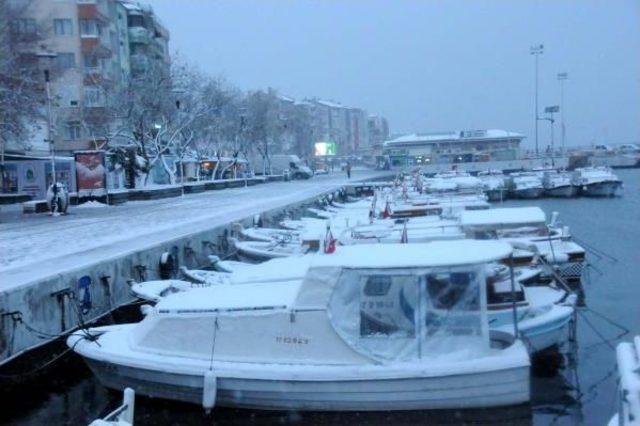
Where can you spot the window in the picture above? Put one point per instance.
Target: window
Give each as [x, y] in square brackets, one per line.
[90, 27]
[73, 130]
[62, 27]
[135, 21]
[64, 61]
[92, 62]
[24, 26]
[93, 96]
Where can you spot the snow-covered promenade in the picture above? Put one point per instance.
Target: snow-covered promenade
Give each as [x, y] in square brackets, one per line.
[33, 247]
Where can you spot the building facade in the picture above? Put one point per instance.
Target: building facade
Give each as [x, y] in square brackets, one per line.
[453, 147]
[90, 48]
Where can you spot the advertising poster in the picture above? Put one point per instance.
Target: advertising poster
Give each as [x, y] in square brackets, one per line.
[90, 173]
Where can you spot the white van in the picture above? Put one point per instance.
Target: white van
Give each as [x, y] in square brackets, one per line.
[281, 164]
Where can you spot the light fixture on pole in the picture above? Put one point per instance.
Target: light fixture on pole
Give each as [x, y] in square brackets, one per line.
[551, 110]
[536, 51]
[562, 77]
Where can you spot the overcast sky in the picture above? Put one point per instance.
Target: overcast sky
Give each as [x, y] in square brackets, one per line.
[429, 65]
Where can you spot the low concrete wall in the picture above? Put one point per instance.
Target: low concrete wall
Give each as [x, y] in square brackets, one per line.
[53, 305]
[507, 166]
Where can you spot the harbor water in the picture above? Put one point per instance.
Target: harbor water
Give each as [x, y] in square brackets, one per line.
[581, 392]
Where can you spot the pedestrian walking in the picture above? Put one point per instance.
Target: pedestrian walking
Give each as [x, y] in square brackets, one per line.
[348, 169]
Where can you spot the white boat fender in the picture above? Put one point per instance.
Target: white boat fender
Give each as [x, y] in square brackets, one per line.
[145, 309]
[554, 218]
[257, 221]
[209, 391]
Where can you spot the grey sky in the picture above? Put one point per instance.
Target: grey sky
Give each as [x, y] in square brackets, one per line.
[429, 65]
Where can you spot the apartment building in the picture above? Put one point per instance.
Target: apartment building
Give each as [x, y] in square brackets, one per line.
[378, 132]
[90, 48]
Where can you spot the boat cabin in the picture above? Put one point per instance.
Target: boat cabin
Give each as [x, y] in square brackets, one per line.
[360, 305]
[504, 223]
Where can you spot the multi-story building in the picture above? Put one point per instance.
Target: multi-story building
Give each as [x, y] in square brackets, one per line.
[148, 38]
[358, 131]
[88, 47]
[378, 132]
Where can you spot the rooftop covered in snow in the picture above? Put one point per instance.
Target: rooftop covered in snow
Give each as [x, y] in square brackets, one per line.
[453, 136]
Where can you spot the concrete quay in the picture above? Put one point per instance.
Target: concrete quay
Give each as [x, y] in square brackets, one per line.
[59, 272]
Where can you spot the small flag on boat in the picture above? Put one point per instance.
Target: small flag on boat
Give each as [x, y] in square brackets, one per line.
[386, 214]
[329, 242]
[404, 239]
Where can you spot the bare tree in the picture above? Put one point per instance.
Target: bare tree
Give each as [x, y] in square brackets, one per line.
[21, 85]
[264, 124]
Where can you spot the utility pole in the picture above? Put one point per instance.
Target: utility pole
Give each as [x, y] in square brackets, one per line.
[536, 51]
[562, 77]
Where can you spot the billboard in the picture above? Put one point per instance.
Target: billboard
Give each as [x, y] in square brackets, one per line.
[91, 173]
[324, 148]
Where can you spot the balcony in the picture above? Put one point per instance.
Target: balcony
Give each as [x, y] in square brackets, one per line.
[88, 9]
[139, 35]
[139, 62]
[93, 45]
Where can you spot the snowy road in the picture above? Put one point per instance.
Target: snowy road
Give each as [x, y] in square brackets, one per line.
[33, 247]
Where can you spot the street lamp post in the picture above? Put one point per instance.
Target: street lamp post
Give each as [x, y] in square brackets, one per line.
[551, 110]
[562, 77]
[536, 51]
[47, 82]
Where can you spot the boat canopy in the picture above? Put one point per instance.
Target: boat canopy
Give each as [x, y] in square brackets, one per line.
[405, 314]
[503, 218]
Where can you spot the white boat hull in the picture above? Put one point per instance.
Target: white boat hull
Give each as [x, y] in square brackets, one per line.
[483, 389]
[601, 189]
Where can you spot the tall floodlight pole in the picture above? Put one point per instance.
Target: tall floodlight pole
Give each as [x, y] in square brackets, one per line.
[551, 110]
[562, 77]
[536, 51]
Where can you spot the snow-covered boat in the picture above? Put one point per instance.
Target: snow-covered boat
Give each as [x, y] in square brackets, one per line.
[259, 251]
[526, 228]
[226, 265]
[154, 291]
[265, 234]
[203, 276]
[526, 185]
[628, 358]
[320, 342]
[417, 231]
[493, 184]
[597, 181]
[543, 312]
[559, 184]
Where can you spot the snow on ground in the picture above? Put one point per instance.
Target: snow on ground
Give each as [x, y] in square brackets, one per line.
[33, 247]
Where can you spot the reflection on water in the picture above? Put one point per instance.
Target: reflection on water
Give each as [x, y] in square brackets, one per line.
[581, 392]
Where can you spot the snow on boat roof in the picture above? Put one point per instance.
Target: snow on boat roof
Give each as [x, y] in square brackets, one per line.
[436, 253]
[504, 216]
[273, 270]
[230, 297]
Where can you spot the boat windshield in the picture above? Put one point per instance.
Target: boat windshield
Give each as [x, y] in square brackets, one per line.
[412, 314]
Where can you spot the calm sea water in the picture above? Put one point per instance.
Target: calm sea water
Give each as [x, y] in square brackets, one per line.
[583, 392]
